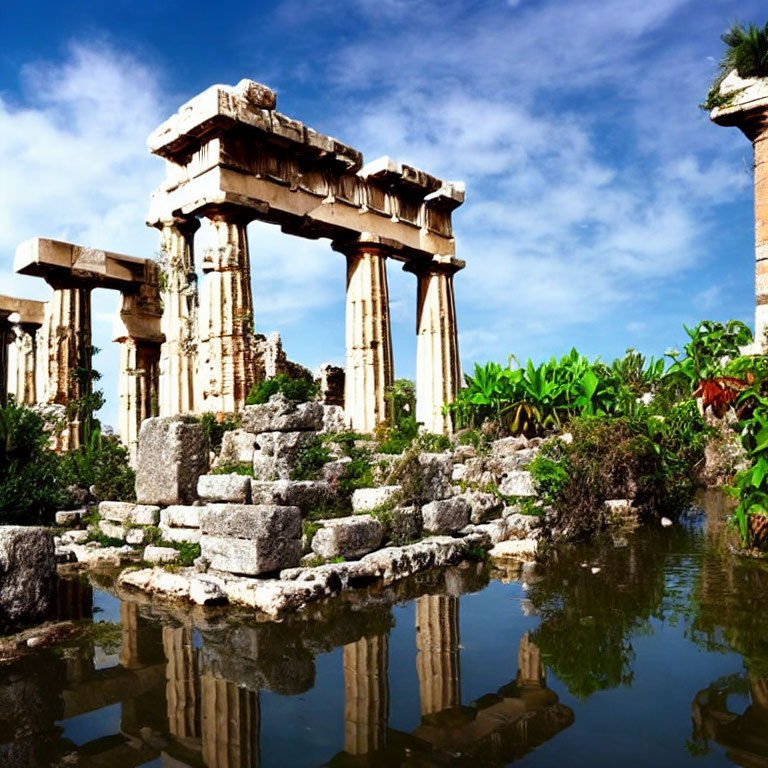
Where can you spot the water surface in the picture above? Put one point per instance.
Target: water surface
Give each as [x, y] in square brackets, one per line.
[644, 648]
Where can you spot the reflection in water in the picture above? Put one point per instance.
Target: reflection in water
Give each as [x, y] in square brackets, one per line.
[366, 694]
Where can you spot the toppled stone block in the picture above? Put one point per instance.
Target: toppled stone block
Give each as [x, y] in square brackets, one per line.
[517, 483]
[521, 526]
[483, 506]
[178, 516]
[160, 554]
[233, 488]
[406, 525]
[306, 494]
[173, 452]
[250, 557]
[366, 499]
[347, 537]
[437, 471]
[282, 415]
[446, 515]
[277, 453]
[27, 576]
[127, 513]
[74, 537]
[516, 549]
[112, 530]
[237, 447]
[70, 518]
[250, 538]
[251, 521]
[180, 535]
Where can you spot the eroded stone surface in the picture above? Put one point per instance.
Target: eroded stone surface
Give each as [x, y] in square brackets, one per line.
[517, 483]
[516, 549]
[27, 576]
[173, 453]
[306, 494]
[282, 415]
[250, 556]
[251, 521]
[233, 488]
[160, 554]
[352, 536]
[237, 447]
[483, 506]
[366, 499]
[446, 516]
[437, 471]
[70, 517]
[178, 516]
[277, 454]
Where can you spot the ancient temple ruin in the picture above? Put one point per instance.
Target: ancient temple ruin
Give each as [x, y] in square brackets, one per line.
[231, 158]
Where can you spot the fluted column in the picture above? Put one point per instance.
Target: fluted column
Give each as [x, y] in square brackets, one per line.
[182, 689]
[438, 370]
[366, 694]
[226, 326]
[64, 355]
[22, 361]
[437, 652]
[760, 144]
[5, 340]
[369, 370]
[230, 724]
[137, 330]
[178, 366]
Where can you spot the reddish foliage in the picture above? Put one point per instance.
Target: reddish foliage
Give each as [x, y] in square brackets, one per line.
[720, 393]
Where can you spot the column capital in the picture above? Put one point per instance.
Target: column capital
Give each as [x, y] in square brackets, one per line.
[439, 264]
[366, 243]
[230, 214]
[187, 225]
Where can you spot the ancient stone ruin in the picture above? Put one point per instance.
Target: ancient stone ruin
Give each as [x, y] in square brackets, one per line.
[232, 158]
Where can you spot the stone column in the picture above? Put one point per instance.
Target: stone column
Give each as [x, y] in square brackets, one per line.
[366, 694]
[437, 652]
[760, 145]
[129, 647]
[22, 362]
[530, 672]
[138, 333]
[178, 366]
[230, 724]
[438, 370]
[5, 340]
[64, 355]
[226, 327]
[182, 690]
[370, 370]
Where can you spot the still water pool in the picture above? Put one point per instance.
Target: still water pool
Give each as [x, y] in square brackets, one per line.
[640, 649]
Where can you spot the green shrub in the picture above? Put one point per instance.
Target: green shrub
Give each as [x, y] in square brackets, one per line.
[234, 469]
[214, 428]
[299, 390]
[311, 460]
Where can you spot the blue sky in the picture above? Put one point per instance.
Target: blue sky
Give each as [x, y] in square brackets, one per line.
[603, 208]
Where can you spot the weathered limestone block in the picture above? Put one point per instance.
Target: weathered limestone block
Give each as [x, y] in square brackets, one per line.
[237, 447]
[516, 549]
[477, 474]
[366, 499]
[459, 472]
[160, 554]
[518, 460]
[517, 483]
[250, 538]
[347, 537]
[173, 453]
[282, 415]
[233, 488]
[112, 530]
[27, 576]
[306, 494]
[406, 525]
[67, 518]
[437, 470]
[521, 526]
[181, 516]
[508, 446]
[277, 453]
[333, 419]
[180, 535]
[483, 506]
[126, 512]
[446, 516]
[135, 536]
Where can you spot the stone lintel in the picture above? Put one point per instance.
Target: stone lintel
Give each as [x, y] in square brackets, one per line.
[27, 311]
[70, 265]
[296, 210]
[223, 107]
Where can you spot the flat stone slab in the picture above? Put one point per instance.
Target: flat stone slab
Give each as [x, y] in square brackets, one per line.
[231, 487]
[347, 537]
[516, 549]
[446, 515]
[160, 554]
[367, 499]
[127, 512]
[69, 518]
[180, 516]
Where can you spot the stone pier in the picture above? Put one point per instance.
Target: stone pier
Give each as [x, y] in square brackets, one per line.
[369, 370]
[438, 369]
[437, 652]
[366, 694]
[226, 327]
[180, 316]
[231, 720]
[748, 111]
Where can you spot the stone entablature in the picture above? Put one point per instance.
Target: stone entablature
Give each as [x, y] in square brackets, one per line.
[20, 320]
[229, 146]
